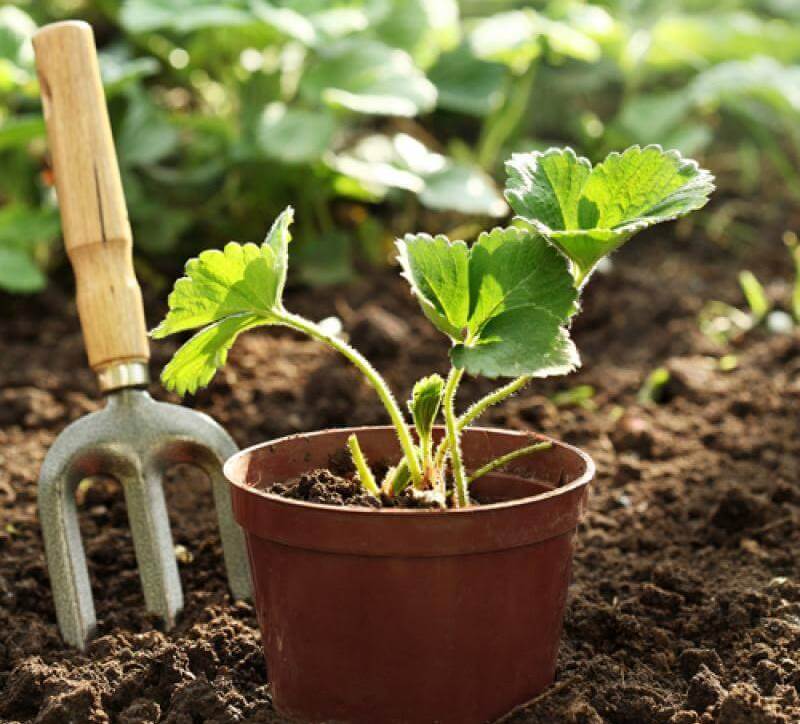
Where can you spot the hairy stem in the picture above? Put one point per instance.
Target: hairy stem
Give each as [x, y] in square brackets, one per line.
[478, 408]
[507, 458]
[373, 377]
[362, 468]
[453, 438]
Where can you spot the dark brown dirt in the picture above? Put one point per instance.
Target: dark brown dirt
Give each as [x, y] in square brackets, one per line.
[685, 607]
[326, 487]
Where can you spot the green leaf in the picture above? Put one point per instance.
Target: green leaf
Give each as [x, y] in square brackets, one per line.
[293, 135]
[19, 272]
[369, 77]
[225, 292]
[589, 212]
[146, 135]
[285, 20]
[569, 42]
[244, 279]
[426, 399]
[421, 27]
[196, 362]
[325, 258]
[761, 79]
[508, 318]
[182, 16]
[17, 131]
[119, 69]
[517, 37]
[507, 37]
[401, 161]
[755, 295]
[463, 188]
[692, 40]
[438, 271]
[16, 29]
[466, 84]
[22, 230]
[511, 269]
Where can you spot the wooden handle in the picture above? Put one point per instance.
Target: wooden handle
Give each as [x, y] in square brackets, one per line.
[97, 234]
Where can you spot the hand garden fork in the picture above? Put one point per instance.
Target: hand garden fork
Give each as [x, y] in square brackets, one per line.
[134, 439]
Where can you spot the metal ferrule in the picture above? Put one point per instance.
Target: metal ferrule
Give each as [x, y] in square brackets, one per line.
[121, 375]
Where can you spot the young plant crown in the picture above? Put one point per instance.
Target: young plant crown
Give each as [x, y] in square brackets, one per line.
[505, 302]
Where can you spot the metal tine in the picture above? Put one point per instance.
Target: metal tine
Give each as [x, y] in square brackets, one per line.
[192, 438]
[66, 464]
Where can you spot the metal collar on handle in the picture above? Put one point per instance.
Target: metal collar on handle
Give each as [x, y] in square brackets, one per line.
[120, 375]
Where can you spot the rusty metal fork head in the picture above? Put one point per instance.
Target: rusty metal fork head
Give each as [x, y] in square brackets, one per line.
[133, 440]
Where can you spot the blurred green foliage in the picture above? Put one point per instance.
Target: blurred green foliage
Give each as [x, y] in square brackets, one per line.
[367, 114]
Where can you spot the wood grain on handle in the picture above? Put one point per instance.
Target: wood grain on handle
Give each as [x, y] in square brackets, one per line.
[94, 218]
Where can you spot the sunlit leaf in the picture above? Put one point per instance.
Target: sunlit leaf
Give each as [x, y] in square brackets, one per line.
[225, 293]
[287, 21]
[588, 212]
[182, 16]
[700, 38]
[403, 162]
[462, 188]
[467, 84]
[423, 28]
[294, 135]
[369, 77]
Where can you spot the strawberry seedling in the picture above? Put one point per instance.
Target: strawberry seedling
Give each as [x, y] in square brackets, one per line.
[505, 302]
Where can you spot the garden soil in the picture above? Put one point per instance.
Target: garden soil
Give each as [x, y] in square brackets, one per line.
[685, 604]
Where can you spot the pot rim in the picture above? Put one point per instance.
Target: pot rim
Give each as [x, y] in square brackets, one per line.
[363, 511]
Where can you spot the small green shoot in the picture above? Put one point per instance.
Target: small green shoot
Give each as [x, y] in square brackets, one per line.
[652, 391]
[755, 295]
[505, 302]
[426, 399]
[364, 473]
[793, 244]
[579, 396]
[723, 323]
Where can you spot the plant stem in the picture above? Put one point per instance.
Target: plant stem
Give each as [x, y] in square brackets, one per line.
[478, 408]
[503, 122]
[507, 458]
[454, 438]
[364, 473]
[305, 326]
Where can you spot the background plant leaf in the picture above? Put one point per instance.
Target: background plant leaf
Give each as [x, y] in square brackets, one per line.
[368, 76]
[294, 135]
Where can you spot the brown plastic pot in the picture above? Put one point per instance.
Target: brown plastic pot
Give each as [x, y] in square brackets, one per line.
[407, 615]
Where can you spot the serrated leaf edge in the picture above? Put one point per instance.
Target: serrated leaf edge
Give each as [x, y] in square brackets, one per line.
[704, 180]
